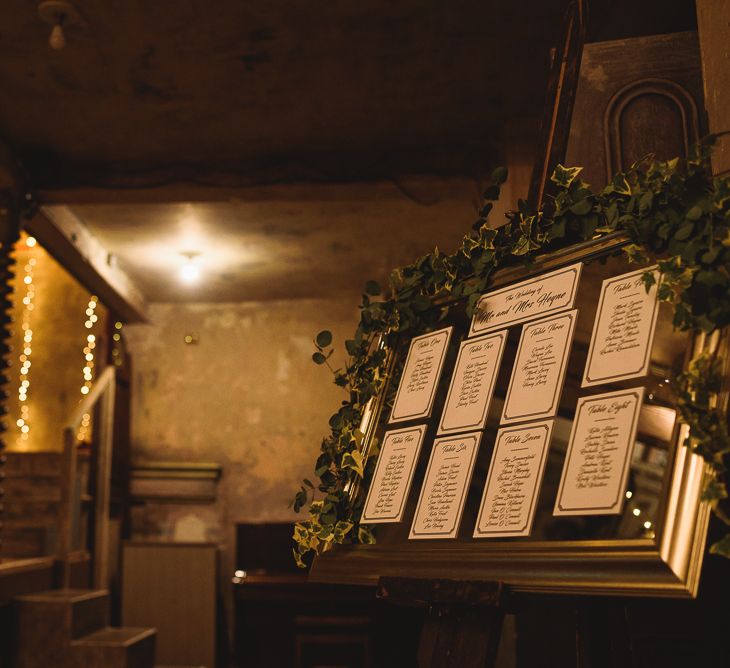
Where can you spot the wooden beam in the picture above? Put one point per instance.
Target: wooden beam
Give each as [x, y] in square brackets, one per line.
[713, 19]
[562, 84]
[71, 243]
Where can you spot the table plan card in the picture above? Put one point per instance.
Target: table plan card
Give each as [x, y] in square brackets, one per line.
[445, 486]
[539, 370]
[421, 372]
[513, 484]
[540, 296]
[623, 330]
[472, 383]
[393, 475]
[599, 453]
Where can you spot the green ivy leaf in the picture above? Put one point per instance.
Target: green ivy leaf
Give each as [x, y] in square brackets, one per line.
[324, 338]
[353, 460]
[372, 288]
[365, 535]
[684, 232]
[421, 303]
[491, 193]
[564, 176]
[722, 547]
[582, 208]
[499, 175]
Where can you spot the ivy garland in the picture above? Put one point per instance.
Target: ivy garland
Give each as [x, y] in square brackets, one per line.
[675, 211]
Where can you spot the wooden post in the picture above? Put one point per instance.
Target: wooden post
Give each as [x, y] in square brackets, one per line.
[562, 84]
[103, 393]
[66, 507]
[103, 488]
[463, 621]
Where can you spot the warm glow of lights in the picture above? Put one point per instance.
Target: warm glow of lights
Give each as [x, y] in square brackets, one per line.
[636, 512]
[30, 242]
[24, 357]
[87, 369]
[647, 525]
[190, 273]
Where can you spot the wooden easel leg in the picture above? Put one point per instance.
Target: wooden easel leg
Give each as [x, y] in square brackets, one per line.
[463, 621]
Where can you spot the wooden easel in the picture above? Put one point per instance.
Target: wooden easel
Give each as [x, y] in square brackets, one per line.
[463, 622]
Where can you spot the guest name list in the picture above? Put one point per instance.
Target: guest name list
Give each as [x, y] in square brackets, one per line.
[472, 384]
[623, 330]
[510, 495]
[443, 494]
[539, 371]
[415, 395]
[393, 475]
[599, 453]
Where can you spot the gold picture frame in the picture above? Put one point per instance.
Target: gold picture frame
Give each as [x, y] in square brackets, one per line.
[666, 564]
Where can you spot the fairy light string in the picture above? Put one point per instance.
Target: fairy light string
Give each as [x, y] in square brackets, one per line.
[23, 422]
[88, 369]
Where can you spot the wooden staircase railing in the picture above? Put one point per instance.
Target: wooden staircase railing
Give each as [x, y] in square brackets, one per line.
[102, 393]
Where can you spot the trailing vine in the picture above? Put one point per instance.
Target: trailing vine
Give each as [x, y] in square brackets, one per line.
[675, 211]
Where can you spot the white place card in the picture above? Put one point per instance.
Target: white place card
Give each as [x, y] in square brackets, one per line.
[623, 330]
[539, 370]
[540, 296]
[513, 484]
[599, 453]
[421, 372]
[472, 383]
[445, 486]
[393, 475]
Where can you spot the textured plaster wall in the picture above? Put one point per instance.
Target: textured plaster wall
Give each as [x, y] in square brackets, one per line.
[246, 396]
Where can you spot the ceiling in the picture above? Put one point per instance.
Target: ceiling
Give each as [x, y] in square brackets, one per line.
[344, 88]
[284, 241]
[283, 141]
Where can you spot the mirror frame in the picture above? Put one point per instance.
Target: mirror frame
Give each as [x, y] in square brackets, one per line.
[667, 565]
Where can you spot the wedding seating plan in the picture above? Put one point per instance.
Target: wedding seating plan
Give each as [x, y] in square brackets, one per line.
[599, 453]
[540, 296]
[513, 484]
[393, 474]
[445, 486]
[539, 370]
[415, 395]
[472, 383]
[623, 330]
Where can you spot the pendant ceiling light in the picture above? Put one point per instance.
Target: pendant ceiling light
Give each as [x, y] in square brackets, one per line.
[59, 14]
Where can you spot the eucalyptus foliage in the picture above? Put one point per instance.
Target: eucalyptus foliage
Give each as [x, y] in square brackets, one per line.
[674, 211]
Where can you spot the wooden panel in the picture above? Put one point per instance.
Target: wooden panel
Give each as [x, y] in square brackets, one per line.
[649, 116]
[158, 591]
[635, 96]
[713, 19]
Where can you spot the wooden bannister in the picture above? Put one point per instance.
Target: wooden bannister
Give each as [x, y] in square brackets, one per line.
[101, 393]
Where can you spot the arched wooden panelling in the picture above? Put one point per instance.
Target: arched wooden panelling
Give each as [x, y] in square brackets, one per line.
[649, 116]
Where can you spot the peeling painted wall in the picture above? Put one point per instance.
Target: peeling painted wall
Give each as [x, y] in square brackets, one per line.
[247, 396]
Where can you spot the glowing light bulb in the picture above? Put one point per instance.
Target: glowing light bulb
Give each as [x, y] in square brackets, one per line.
[190, 272]
[30, 242]
[57, 40]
